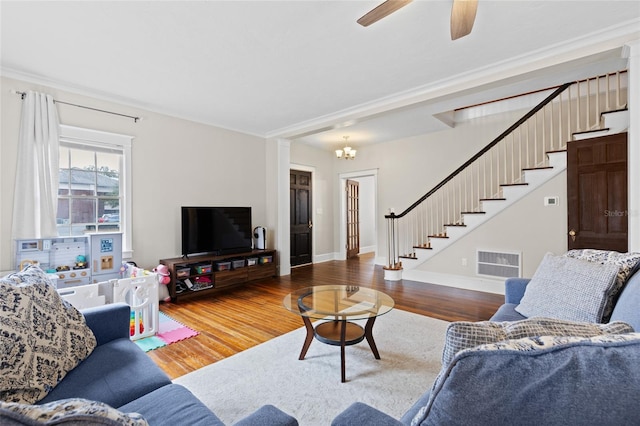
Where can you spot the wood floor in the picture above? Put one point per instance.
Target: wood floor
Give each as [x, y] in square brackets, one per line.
[240, 318]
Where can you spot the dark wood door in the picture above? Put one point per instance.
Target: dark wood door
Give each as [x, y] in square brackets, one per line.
[353, 218]
[300, 217]
[597, 193]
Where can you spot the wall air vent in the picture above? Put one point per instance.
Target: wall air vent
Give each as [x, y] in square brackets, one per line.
[498, 264]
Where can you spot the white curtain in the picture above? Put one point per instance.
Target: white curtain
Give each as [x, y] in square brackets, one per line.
[36, 194]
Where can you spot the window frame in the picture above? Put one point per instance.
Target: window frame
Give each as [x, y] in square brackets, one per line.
[82, 137]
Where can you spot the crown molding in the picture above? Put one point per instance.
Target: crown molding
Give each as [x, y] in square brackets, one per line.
[597, 42]
[78, 90]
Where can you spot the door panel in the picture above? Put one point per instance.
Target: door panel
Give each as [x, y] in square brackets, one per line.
[300, 209]
[353, 218]
[597, 193]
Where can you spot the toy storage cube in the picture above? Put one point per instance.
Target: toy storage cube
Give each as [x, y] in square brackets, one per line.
[141, 294]
[203, 268]
[223, 266]
[183, 272]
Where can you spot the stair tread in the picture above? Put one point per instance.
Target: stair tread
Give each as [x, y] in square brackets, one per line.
[537, 168]
[514, 184]
[438, 236]
[556, 150]
[493, 199]
[423, 247]
[455, 224]
[613, 111]
[604, 129]
[473, 212]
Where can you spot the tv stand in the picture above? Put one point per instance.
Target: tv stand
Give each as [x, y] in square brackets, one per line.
[196, 276]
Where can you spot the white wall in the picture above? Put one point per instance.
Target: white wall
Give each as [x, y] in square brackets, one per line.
[175, 162]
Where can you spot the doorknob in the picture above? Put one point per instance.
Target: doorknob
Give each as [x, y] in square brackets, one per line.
[310, 225]
[572, 234]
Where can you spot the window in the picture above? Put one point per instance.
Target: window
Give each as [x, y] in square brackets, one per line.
[94, 184]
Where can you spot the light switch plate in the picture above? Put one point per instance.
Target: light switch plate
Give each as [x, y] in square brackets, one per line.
[551, 201]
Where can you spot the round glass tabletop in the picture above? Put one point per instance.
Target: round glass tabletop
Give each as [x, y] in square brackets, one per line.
[341, 302]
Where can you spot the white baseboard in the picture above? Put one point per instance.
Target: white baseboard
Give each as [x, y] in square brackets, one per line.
[450, 280]
[368, 249]
[458, 281]
[326, 257]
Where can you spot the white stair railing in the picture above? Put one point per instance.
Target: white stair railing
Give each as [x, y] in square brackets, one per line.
[571, 108]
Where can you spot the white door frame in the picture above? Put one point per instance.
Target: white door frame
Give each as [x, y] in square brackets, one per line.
[342, 184]
[312, 170]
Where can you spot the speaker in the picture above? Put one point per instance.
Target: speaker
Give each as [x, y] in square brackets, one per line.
[260, 237]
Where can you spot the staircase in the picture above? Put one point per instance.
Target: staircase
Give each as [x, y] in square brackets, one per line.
[529, 153]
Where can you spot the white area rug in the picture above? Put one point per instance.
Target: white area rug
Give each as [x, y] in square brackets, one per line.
[410, 347]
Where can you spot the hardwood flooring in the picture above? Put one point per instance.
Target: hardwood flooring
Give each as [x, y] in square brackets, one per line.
[240, 318]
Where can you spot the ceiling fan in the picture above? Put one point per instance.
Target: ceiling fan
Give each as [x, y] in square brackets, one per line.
[463, 14]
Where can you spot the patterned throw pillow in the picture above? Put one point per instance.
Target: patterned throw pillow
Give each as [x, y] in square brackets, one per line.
[540, 343]
[69, 411]
[567, 288]
[42, 336]
[627, 263]
[464, 335]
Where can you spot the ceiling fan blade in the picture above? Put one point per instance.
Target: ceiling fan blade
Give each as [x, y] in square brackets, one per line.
[382, 10]
[463, 14]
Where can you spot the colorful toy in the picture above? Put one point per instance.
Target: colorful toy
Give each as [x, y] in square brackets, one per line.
[164, 278]
[132, 324]
[81, 262]
[126, 269]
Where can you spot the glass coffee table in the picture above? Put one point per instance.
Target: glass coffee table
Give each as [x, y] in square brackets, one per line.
[339, 306]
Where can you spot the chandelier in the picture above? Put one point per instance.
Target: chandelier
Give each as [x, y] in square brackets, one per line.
[347, 152]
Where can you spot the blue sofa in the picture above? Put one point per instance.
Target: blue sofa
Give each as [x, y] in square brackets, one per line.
[573, 382]
[121, 375]
[626, 307]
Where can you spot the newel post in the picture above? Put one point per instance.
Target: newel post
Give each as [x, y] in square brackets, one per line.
[393, 270]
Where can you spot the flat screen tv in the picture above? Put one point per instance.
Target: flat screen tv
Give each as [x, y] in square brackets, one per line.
[216, 230]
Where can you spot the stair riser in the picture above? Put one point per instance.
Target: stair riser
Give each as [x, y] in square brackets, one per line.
[617, 121]
[455, 232]
[438, 244]
[538, 177]
[514, 192]
[472, 220]
[557, 160]
[493, 207]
